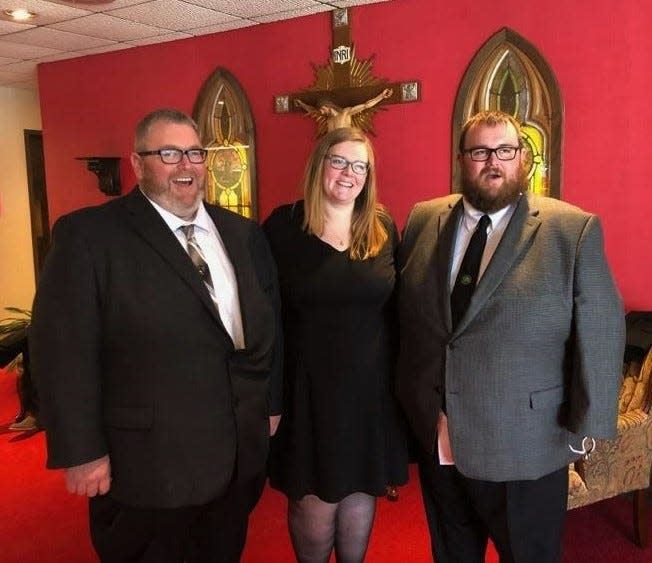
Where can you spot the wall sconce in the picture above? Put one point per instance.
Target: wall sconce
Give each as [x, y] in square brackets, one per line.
[107, 169]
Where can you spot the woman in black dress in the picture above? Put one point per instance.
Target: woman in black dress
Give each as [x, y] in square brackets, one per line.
[340, 441]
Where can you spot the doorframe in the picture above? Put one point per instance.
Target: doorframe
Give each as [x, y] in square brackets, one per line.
[38, 200]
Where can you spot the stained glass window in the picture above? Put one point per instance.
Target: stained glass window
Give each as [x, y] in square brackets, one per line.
[510, 75]
[226, 128]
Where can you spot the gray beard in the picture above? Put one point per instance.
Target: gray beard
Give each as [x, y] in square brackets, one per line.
[479, 199]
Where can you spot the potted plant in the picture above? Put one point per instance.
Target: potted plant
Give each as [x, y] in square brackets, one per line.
[13, 334]
[14, 356]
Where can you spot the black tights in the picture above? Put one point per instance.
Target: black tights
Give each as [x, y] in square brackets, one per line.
[317, 526]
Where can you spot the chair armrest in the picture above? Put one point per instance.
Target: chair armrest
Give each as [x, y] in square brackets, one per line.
[631, 419]
[617, 466]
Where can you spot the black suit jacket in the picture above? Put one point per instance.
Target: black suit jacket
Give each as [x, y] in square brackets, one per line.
[131, 358]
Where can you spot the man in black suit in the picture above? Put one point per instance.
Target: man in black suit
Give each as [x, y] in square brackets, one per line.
[156, 354]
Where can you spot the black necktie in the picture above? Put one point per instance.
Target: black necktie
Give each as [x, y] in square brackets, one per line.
[194, 251]
[467, 277]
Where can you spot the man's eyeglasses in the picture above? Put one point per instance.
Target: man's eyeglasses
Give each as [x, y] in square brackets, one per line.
[482, 154]
[175, 156]
[340, 163]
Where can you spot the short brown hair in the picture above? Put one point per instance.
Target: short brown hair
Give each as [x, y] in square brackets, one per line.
[491, 119]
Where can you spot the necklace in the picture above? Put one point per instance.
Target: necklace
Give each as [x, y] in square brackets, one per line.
[334, 239]
[336, 231]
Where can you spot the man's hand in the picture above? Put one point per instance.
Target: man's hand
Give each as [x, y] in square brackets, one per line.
[273, 423]
[90, 478]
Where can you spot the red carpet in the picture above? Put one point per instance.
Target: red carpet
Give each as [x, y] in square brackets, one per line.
[42, 523]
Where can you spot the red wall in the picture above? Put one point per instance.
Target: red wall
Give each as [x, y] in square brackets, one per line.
[597, 49]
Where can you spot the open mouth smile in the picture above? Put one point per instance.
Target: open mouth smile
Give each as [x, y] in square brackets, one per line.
[183, 181]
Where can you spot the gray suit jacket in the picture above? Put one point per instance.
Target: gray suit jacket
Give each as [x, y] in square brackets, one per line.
[535, 363]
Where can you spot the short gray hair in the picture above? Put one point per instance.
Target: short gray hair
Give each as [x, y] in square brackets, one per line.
[166, 114]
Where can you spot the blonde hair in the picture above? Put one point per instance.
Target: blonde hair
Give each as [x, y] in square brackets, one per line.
[368, 234]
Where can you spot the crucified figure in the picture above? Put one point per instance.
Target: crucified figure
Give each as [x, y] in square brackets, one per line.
[335, 116]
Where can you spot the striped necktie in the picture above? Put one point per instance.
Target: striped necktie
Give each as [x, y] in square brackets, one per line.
[195, 253]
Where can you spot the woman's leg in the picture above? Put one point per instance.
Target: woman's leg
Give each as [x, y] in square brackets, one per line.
[355, 517]
[312, 528]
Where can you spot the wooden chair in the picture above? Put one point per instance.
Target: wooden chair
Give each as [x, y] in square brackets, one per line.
[622, 465]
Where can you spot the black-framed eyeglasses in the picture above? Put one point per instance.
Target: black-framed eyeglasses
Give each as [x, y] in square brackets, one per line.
[175, 156]
[340, 163]
[482, 154]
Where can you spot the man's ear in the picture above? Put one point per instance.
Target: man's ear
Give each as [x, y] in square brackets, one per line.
[137, 165]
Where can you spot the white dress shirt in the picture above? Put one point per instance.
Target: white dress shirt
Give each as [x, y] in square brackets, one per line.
[224, 292]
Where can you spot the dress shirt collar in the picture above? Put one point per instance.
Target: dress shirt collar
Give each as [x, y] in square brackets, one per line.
[201, 220]
[472, 216]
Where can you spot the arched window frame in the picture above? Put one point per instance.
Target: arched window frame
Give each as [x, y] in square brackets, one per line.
[226, 128]
[537, 102]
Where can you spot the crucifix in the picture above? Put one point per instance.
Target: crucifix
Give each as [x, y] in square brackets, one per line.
[345, 93]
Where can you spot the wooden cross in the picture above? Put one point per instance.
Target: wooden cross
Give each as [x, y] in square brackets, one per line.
[345, 92]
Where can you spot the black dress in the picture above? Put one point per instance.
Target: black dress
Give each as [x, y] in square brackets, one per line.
[340, 432]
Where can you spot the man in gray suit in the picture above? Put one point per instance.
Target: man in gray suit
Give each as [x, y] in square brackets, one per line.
[504, 381]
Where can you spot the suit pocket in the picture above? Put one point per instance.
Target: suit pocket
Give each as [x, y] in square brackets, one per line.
[130, 418]
[547, 398]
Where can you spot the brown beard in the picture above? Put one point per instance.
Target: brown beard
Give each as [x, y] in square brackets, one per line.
[481, 201]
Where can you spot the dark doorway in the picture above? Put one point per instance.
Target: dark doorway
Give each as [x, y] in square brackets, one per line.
[38, 200]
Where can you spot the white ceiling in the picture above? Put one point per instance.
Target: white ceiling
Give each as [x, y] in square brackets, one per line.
[63, 30]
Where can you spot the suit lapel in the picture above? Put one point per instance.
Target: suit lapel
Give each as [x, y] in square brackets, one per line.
[238, 255]
[232, 241]
[149, 225]
[517, 235]
[448, 221]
